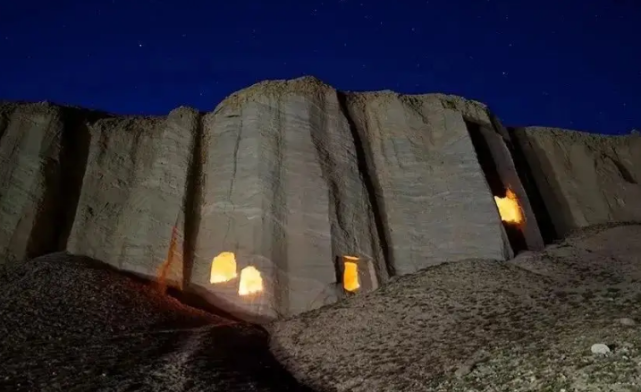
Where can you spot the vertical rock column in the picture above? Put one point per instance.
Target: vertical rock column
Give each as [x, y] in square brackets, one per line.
[231, 207]
[432, 192]
[352, 209]
[133, 193]
[265, 199]
[307, 268]
[30, 194]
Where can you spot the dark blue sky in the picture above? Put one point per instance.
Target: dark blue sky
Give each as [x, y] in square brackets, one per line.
[566, 63]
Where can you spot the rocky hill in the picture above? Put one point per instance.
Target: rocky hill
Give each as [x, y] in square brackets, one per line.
[566, 318]
[71, 324]
[562, 319]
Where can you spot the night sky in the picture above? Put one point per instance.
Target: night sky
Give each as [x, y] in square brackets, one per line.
[566, 63]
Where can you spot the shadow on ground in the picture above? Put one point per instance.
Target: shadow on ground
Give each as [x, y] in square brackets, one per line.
[71, 324]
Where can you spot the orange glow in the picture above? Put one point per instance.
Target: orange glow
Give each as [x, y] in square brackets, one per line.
[509, 208]
[223, 268]
[350, 273]
[164, 268]
[251, 282]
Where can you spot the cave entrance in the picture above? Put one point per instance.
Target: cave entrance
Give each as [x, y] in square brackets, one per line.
[506, 201]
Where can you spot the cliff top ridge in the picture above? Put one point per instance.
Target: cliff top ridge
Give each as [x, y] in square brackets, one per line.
[308, 85]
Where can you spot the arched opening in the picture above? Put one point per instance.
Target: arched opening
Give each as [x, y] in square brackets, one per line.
[351, 282]
[223, 268]
[251, 281]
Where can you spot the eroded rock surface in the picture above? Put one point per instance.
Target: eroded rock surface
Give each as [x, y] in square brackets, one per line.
[134, 193]
[584, 179]
[42, 162]
[290, 176]
[295, 175]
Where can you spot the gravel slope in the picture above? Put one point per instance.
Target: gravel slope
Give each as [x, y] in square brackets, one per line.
[70, 324]
[484, 325]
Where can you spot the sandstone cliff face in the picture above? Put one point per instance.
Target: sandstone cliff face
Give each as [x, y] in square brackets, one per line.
[42, 158]
[431, 188]
[584, 179]
[134, 192]
[290, 176]
[296, 175]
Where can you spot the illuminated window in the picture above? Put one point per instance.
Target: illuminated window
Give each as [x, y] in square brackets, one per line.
[509, 208]
[350, 273]
[223, 268]
[251, 282]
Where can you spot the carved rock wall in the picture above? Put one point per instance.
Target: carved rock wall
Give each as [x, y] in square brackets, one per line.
[290, 176]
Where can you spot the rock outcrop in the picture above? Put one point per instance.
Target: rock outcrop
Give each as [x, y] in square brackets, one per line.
[585, 179]
[293, 178]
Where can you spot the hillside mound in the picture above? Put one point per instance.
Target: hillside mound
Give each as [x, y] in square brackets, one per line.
[71, 324]
[483, 325]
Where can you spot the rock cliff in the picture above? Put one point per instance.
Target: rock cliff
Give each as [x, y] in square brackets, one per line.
[585, 179]
[297, 181]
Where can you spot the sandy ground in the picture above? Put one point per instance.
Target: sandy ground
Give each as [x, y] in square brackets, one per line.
[70, 324]
[483, 325]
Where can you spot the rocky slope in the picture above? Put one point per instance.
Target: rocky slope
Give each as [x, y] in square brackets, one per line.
[68, 323]
[291, 176]
[566, 318]
[485, 325]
